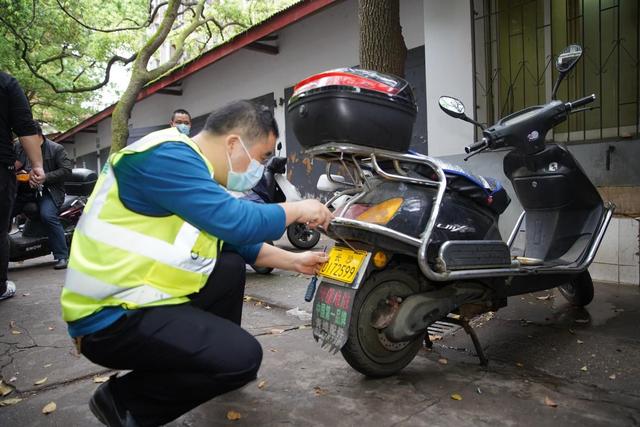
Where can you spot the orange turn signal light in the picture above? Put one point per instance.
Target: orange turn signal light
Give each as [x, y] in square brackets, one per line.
[382, 212]
[380, 259]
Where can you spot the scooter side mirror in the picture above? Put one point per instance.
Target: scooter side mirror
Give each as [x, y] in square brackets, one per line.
[565, 62]
[455, 108]
[452, 107]
[336, 183]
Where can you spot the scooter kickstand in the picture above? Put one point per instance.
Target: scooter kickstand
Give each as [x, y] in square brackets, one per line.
[474, 338]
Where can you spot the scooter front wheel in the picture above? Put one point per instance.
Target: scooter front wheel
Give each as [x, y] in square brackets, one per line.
[367, 349]
[579, 290]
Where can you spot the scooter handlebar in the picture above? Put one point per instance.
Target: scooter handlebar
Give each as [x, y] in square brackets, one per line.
[477, 146]
[580, 102]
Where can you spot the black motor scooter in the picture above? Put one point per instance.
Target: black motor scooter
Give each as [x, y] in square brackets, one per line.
[418, 240]
[30, 239]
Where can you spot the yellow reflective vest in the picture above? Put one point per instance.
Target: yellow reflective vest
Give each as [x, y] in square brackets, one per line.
[124, 258]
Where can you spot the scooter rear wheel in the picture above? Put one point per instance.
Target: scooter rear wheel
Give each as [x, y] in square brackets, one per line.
[367, 349]
[579, 290]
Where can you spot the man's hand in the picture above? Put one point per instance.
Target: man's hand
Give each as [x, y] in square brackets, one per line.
[310, 212]
[302, 262]
[309, 262]
[36, 177]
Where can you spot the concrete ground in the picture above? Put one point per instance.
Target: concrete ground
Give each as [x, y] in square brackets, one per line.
[586, 362]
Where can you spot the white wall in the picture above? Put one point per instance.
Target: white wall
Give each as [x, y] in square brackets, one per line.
[449, 71]
[326, 40]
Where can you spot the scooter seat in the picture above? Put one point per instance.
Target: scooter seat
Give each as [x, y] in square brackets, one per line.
[486, 191]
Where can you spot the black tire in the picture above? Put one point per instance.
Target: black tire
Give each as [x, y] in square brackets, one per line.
[301, 236]
[263, 270]
[579, 290]
[366, 350]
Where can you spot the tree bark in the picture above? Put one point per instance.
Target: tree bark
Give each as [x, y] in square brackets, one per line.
[382, 46]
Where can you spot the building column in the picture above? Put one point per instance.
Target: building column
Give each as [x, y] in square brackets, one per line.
[449, 71]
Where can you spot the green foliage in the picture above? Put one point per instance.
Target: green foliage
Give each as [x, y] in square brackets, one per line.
[59, 49]
[69, 43]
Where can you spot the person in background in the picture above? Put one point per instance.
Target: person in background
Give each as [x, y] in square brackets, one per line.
[15, 118]
[57, 168]
[181, 120]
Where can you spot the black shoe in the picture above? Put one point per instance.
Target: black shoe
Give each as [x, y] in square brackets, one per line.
[61, 264]
[105, 409]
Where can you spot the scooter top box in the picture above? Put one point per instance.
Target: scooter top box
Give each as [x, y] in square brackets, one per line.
[81, 182]
[355, 106]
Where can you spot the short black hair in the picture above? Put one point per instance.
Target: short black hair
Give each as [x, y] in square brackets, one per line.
[247, 117]
[180, 111]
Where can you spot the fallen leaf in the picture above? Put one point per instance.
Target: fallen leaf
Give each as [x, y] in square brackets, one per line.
[258, 304]
[247, 298]
[8, 402]
[519, 365]
[584, 368]
[443, 361]
[261, 384]
[26, 294]
[545, 298]
[276, 331]
[320, 391]
[4, 389]
[581, 321]
[612, 376]
[233, 415]
[268, 307]
[572, 332]
[48, 365]
[273, 350]
[550, 402]
[49, 408]
[12, 379]
[41, 381]
[478, 390]
[99, 379]
[456, 396]
[51, 328]
[434, 338]
[15, 332]
[580, 342]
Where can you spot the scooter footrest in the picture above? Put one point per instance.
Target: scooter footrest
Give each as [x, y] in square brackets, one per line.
[466, 254]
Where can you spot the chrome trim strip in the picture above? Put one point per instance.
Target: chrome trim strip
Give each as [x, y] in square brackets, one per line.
[515, 230]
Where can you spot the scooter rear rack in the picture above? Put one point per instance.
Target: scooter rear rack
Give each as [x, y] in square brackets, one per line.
[342, 153]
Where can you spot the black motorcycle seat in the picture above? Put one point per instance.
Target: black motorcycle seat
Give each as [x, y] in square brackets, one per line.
[486, 191]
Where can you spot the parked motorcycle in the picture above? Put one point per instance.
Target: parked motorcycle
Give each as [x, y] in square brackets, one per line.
[418, 240]
[274, 187]
[30, 239]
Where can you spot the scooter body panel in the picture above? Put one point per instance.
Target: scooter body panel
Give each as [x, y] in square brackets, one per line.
[563, 208]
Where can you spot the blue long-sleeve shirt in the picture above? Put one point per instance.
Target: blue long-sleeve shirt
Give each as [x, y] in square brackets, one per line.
[173, 179]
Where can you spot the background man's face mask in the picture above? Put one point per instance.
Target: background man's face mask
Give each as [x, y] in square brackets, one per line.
[243, 181]
[183, 128]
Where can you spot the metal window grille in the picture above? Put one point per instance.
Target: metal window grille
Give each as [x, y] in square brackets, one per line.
[517, 41]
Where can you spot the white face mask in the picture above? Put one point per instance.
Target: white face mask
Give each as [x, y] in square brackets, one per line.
[243, 181]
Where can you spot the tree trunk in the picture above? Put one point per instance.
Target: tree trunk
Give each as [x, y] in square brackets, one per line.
[140, 76]
[382, 46]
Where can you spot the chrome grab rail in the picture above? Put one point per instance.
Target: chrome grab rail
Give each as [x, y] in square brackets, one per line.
[335, 152]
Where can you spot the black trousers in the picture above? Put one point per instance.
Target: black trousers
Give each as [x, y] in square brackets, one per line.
[180, 356]
[7, 198]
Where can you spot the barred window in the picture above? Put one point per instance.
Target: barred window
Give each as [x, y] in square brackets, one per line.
[517, 41]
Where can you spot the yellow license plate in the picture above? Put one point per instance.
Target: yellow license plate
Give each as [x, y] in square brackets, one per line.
[343, 264]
